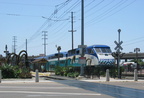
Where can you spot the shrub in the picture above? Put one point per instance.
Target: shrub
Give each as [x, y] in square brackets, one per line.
[58, 70]
[9, 71]
[24, 73]
[66, 71]
[73, 74]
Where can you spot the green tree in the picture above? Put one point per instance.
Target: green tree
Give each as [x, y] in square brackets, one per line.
[140, 62]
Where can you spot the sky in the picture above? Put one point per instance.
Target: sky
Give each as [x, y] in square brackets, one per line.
[27, 19]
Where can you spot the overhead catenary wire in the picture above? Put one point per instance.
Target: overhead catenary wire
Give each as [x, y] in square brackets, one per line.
[111, 9]
[99, 9]
[116, 11]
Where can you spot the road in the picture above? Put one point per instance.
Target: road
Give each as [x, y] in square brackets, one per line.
[72, 89]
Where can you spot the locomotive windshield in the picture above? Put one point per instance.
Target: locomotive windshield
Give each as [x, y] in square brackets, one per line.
[103, 50]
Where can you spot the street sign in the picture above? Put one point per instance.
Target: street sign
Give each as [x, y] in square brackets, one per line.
[82, 46]
[118, 45]
[82, 60]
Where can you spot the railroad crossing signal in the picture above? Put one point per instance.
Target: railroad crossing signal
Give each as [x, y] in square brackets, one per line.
[118, 45]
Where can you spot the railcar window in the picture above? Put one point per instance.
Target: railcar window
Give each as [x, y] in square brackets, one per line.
[77, 52]
[103, 50]
[98, 50]
[71, 52]
[106, 50]
[56, 55]
[90, 51]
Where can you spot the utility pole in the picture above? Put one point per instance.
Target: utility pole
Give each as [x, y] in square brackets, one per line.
[82, 23]
[45, 38]
[14, 44]
[72, 30]
[82, 46]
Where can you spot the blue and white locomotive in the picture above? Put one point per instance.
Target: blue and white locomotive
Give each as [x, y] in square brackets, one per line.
[95, 55]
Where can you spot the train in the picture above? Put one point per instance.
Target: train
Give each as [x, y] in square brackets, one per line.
[94, 55]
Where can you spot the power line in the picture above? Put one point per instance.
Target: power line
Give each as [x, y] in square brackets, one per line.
[19, 15]
[96, 5]
[25, 4]
[103, 16]
[99, 9]
[107, 11]
[133, 41]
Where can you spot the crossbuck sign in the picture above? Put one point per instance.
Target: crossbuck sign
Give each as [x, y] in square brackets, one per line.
[118, 45]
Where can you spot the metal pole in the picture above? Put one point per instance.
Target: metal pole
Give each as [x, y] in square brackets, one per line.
[82, 35]
[119, 30]
[118, 67]
[72, 27]
[82, 23]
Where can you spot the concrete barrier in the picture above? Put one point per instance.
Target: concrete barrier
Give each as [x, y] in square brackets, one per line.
[135, 75]
[37, 76]
[107, 75]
